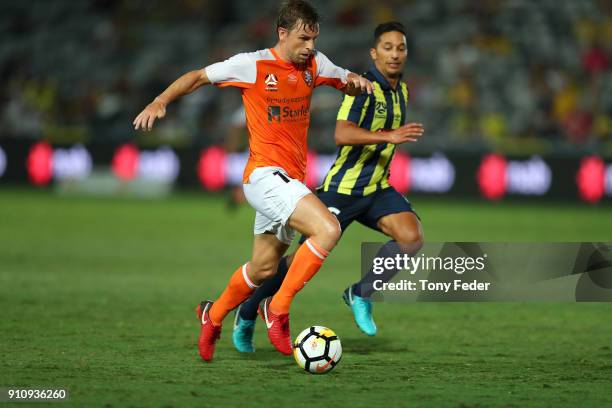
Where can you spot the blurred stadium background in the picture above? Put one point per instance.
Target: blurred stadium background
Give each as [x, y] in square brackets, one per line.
[515, 95]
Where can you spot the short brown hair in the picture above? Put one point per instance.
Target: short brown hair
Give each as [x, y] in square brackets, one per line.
[292, 11]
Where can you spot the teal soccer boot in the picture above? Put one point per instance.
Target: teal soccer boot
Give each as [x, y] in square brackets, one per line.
[242, 336]
[362, 311]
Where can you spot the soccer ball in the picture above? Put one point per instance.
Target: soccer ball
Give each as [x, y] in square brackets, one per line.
[317, 349]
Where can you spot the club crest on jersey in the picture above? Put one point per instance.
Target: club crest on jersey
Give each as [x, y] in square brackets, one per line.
[307, 75]
[271, 83]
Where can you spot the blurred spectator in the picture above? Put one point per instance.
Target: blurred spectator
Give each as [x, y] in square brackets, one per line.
[594, 59]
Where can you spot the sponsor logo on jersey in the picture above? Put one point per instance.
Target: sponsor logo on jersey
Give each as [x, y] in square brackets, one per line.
[381, 107]
[295, 115]
[274, 114]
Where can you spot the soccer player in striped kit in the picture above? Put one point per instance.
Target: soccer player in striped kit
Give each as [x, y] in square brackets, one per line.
[356, 188]
[276, 85]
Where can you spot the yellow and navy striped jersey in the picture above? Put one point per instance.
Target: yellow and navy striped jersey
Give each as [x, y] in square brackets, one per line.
[362, 169]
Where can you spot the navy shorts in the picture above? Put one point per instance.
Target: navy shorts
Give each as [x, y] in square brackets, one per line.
[366, 210]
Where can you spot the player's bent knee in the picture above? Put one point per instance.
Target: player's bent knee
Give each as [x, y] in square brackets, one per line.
[332, 230]
[327, 233]
[411, 238]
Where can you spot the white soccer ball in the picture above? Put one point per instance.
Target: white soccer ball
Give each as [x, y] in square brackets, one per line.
[317, 349]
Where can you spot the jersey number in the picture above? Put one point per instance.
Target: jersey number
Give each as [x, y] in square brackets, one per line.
[281, 175]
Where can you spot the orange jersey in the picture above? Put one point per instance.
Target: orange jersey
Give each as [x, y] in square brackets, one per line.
[276, 96]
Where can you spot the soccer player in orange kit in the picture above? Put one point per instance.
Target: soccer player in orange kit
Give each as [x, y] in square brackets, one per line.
[276, 85]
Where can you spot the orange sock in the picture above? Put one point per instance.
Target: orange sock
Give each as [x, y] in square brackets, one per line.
[237, 291]
[306, 263]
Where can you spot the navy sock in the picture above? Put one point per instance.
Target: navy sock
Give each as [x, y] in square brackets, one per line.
[365, 287]
[248, 310]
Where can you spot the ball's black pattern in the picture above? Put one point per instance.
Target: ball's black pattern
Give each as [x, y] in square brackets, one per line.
[325, 356]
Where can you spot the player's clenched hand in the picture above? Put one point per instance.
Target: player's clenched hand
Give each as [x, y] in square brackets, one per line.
[357, 84]
[146, 118]
[407, 133]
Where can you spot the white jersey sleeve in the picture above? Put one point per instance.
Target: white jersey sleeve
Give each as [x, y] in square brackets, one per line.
[239, 70]
[328, 73]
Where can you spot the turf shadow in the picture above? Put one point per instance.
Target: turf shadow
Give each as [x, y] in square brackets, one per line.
[268, 356]
[368, 345]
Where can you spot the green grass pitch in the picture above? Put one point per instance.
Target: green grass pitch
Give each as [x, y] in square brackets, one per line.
[97, 295]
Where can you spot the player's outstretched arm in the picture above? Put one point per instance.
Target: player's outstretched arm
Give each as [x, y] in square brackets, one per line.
[186, 84]
[356, 84]
[348, 133]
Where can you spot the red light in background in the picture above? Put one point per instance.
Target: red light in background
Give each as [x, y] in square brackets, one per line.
[40, 163]
[591, 179]
[492, 176]
[211, 168]
[399, 176]
[125, 162]
[2, 161]
[312, 176]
